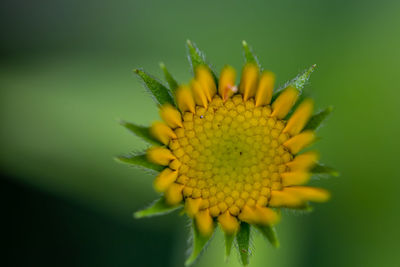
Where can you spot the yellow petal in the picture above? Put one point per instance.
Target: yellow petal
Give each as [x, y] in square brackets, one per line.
[226, 86]
[258, 215]
[265, 88]
[160, 155]
[204, 222]
[173, 195]
[164, 180]
[229, 223]
[299, 118]
[204, 77]
[175, 164]
[284, 102]
[249, 80]
[309, 193]
[267, 216]
[171, 116]
[295, 178]
[199, 94]
[192, 206]
[184, 98]
[162, 132]
[284, 199]
[300, 141]
[303, 162]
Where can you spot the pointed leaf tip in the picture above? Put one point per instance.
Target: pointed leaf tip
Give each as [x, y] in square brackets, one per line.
[158, 91]
[172, 83]
[199, 243]
[157, 208]
[317, 119]
[197, 58]
[269, 232]
[249, 55]
[142, 132]
[243, 242]
[139, 160]
[302, 79]
[229, 238]
[321, 169]
[298, 82]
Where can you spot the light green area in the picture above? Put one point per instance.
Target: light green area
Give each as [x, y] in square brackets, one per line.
[65, 84]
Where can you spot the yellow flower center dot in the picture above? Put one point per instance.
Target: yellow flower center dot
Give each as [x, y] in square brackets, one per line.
[232, 154]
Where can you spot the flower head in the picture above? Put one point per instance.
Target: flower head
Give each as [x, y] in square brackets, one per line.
[229, 153]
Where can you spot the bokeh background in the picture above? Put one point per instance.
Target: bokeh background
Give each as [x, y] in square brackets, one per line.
[66, 78]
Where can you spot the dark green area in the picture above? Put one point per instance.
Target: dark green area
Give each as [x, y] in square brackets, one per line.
[44, 230]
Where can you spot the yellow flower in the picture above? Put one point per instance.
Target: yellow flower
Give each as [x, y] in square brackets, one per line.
[229, 152]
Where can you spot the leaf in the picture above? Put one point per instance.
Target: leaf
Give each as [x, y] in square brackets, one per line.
[140, 160]
[157, 208]
[142, 132]
[302, 78]
[316, 120]
[298, 82]
[249, 56]
[159, 92]
[197, 58]
[172, 83]
[199, 243]
[228, 245]
[324, 170]
[243, 242]
[269, 232]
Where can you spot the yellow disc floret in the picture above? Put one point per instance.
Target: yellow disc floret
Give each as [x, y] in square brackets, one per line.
[231, 155]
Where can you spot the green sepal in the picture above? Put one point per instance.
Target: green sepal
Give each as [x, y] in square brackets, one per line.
[321, 169]
[139, 160]
[243, 242]
[228, 245]
[249, 56]
[269, 232]
[157, 208]
[159, 92]
[172, 83]
[197, 58]
[199, 243]
[316, 120]
[298, 82]
[142, 132]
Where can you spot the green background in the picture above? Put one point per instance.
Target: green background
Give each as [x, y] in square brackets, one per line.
[66, 78]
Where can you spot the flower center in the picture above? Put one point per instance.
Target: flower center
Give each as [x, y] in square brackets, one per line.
[231, 154]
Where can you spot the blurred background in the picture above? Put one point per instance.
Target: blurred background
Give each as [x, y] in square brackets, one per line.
[66, 78]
